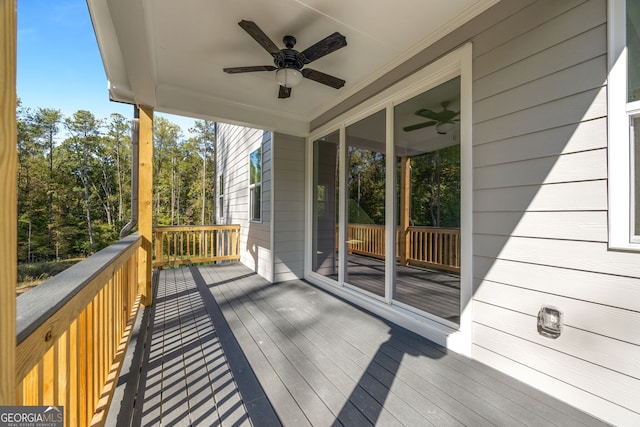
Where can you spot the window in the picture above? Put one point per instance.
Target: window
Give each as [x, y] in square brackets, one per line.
[389, 198]
[366, 196]
[427, 146]
[624, 124]
[326, 153]
[255, 185]
[221, 197]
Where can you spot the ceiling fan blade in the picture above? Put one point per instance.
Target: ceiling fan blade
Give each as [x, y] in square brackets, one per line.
[428, 114]
[234, 70]
[284, 92]
[323, 78]
[259, 36]
[447, 115]
[419, 126]
[324, 47]
[442, 116]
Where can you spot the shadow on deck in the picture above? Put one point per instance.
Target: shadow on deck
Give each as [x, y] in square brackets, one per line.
[225, 347]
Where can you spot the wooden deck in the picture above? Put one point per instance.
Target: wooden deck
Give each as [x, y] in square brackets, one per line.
[228, 348]
[429, 290]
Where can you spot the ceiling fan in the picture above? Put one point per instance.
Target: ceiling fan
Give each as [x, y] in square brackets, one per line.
[443, 120]
[289, 63]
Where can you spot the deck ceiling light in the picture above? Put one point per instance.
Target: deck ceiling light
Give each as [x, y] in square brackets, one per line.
[288, 77]
[444, 128]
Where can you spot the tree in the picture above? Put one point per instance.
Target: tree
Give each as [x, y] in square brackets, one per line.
[27, 149]
[205, 135]
[48, 121]
[119, 142]
[73, 194]
[166, 142]
[85, 130]
[435, 188]
[366, 186]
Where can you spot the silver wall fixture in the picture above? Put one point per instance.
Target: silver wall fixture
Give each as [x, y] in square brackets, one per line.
[550, 322]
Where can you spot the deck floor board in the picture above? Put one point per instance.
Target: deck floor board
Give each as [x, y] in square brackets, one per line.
[228, 348]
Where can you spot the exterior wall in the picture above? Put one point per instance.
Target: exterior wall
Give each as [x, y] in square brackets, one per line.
[540, 212]
[288, 206]
[282, 193]
[540, 203]
[234, 144]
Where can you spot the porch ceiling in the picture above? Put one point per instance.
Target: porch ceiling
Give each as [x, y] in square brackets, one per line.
[169, 54]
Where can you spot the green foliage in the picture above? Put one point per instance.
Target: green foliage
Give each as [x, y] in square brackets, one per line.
[74, 180]
[357, 215]
[255, 166]
[366, 186]
[435, 188]
[42, 270]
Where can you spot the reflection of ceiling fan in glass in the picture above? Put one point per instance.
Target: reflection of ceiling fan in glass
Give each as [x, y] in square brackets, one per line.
[443, 120]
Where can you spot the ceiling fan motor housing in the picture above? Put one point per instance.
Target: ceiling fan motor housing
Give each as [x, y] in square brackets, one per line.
[289, 57]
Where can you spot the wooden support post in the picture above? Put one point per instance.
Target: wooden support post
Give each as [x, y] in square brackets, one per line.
[405, 209]
[145, 205]
[8, 202]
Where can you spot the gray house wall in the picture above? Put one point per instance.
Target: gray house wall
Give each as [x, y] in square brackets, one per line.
[540, 203]
[540, 212]
[288, 206]
[282, 194]
[234, 144]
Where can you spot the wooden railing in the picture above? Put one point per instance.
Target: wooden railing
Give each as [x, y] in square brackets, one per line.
[195, 244]
[72, 333]
[434, 247]
[366, 239]
[427, 246]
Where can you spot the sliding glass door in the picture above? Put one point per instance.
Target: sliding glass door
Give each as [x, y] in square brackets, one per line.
[427, 149]
[392, 198]
[366, 177]
[326, 154]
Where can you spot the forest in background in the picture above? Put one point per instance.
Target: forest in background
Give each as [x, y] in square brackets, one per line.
[435, 187]
[74, 180]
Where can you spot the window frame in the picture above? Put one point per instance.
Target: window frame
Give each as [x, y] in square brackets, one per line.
[455, 63]
[221, 197]
[622, 193]
[255, 186]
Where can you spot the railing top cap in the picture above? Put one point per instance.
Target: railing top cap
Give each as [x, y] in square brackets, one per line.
[36, 306]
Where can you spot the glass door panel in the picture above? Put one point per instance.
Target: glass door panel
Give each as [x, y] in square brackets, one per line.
[325, 205]
[427, 148]
[365, 236]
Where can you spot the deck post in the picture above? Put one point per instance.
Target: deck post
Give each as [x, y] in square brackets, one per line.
[405, 206]
[8, 200]
[145, 205]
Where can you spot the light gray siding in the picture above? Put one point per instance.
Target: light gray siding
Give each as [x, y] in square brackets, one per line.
[540, 212]
[274, 247]
[540, 203]
[288, 206]
[234, 144]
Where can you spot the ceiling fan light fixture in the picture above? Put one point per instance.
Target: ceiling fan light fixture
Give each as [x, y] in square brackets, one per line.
[288, 77]
[444, 128]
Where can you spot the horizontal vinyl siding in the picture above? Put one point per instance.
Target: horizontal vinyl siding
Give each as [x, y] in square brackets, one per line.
[235, 143]
[540, 202]
[288, 207]
[540, 212]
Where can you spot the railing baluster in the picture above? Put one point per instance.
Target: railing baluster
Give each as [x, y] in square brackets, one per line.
[433, 247]
[65, 360]
[195, 244]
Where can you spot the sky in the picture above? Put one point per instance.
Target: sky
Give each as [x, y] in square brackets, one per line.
[59, 65]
